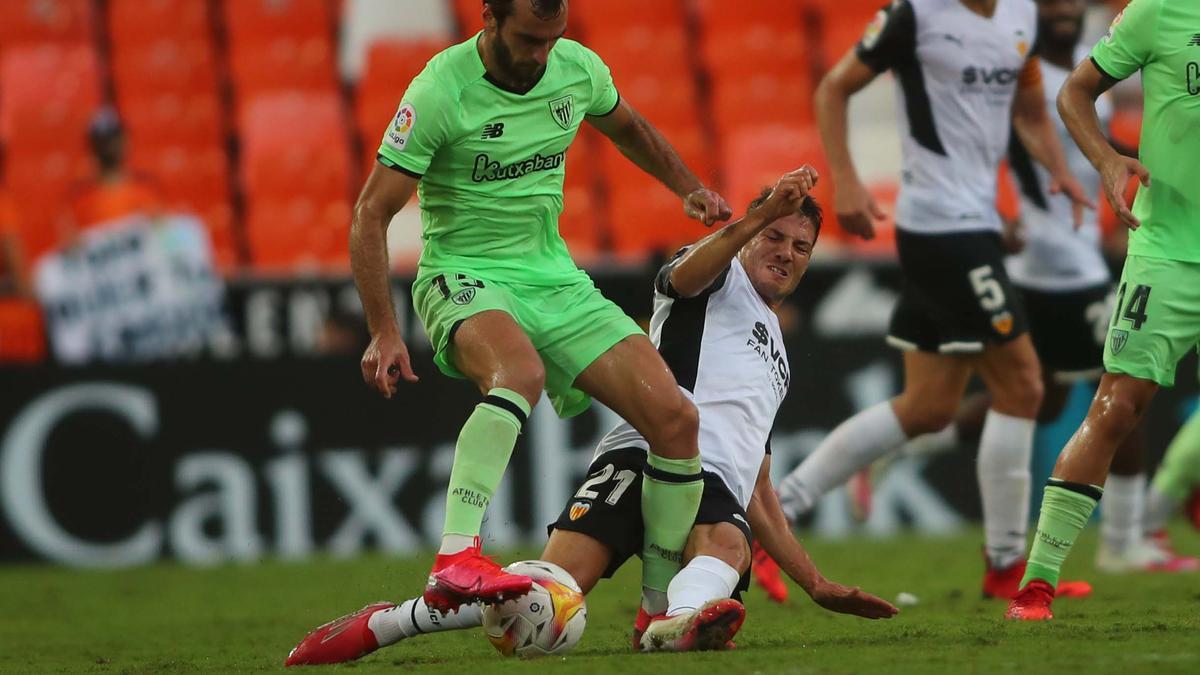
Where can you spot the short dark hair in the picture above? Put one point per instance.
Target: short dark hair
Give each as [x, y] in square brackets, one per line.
[810, 209]
[542, 9]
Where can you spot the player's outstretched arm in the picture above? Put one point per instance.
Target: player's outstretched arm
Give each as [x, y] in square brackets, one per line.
[1033, 126]
[856, 209]
[386, 358]
[770, 527]
[709, 257]
[1077, 105]
[638, 140]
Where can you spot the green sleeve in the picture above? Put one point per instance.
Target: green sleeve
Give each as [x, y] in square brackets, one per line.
[1129, 44]
[604, 92]
[422, 125]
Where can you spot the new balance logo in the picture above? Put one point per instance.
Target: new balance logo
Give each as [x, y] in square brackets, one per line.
[493, 130]
[1195, 41]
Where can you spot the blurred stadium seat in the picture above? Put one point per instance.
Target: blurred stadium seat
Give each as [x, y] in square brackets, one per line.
[49, 93]
[282, 64]
[596, 17]
[166, 65]
[41, 22]
[251, 21]
[134, 22]
[22, 337]
[391, 66]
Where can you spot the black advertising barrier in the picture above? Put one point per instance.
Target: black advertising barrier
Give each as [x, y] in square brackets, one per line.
[246, 453]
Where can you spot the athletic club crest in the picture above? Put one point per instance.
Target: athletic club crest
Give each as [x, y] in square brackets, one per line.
[562, 109]
[579, 510]
[1118, 340]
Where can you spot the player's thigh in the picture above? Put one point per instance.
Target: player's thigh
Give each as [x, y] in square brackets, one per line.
[934, 385]
[1013, 375]
[1156, 319]
[492, 350]
[583, 557]
[632, 379]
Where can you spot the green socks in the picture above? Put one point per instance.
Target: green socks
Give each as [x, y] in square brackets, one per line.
[671, 490]
[1180, 470]
[1066, 508]
[480, 457]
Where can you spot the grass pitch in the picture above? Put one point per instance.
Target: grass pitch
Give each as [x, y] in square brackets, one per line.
[172, 619]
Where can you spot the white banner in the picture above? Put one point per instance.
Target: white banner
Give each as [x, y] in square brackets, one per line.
[132, 290]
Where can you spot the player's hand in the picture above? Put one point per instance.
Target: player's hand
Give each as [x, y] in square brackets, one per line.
[1068, 186]
[857, 211]
[789, 194]
[1114, 176]
[706, 206]
[385, 361]
[846, 600]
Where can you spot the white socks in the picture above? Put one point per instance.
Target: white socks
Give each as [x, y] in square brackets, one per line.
[1160, 508]
[1121, 515]
[1005, 449]
[705, 578]
[852, 446]
[453, 543]
[412, 618]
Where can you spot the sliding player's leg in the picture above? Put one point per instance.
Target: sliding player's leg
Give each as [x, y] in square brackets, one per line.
[632, 379]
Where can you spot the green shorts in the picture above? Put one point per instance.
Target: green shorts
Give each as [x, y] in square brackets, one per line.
[569, 325]
[1157, 318]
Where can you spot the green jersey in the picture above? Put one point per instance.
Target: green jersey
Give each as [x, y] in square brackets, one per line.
[1162, 39]
[491, 161]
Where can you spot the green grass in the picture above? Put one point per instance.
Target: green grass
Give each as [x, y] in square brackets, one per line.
[168, 618]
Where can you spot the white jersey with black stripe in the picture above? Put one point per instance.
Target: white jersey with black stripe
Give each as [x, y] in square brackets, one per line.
[956, 73]
[726, 351]
[1057, 257]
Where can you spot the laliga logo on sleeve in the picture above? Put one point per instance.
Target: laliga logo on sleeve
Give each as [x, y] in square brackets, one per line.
[402, 126]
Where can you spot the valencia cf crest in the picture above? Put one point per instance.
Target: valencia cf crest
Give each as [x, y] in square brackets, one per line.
[1119, 338]
[562, 109]
[1003, 322]
[579, 510]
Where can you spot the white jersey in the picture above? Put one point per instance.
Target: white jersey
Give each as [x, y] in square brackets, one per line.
[956, 72]
[727, 353]
[1057, 257]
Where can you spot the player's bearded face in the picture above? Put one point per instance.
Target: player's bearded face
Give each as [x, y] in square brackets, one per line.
[777, 258]
[1060, 22]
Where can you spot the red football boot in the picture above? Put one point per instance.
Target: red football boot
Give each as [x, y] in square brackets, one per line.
[1005, 583]
[711, 627]
[338, 641]
[767, 574]
[469, 576]
[1032, 603]
[640, 624]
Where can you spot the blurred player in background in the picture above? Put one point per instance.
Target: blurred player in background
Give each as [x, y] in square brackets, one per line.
[1064, 280]
[483, 131]
[714, 322]
[1157, 317]
[1176, 483]
[966, 78]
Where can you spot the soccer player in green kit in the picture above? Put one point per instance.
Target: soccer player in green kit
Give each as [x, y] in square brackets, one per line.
[482, 134]
[1157, 318]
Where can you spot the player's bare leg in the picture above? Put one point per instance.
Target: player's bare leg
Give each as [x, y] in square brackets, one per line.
[494, 353]
[700, 613]
[933, 386]
[1075, 487]
[633, 380]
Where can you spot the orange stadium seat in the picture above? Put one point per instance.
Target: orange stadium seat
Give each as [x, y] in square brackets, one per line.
[596, 17]
[298, 233]
[670, 101]
[283, 64]
[48, 96]
[470, 16]
[39, 181]
[249, 21]
[133, 22]
[165, 66]
[391, 66]
[196, 120]
[28, 22]
[840, 31]
[22, 336]
[754, 100]
[643, 48]
[722, 14]
[750, 49]
[756, 158]
[579, 223]
[646, 218]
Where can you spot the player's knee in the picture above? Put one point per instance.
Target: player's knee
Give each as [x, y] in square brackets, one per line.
[925, 416]
[528, 380]
[1116, 415]
[726, 542]
[1021, 392]
[673, 428]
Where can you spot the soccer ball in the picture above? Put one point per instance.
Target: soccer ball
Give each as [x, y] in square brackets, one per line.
[549, 619]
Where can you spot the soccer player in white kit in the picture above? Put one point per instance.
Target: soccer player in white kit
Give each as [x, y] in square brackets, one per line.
[966, 78]
[714, 323]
